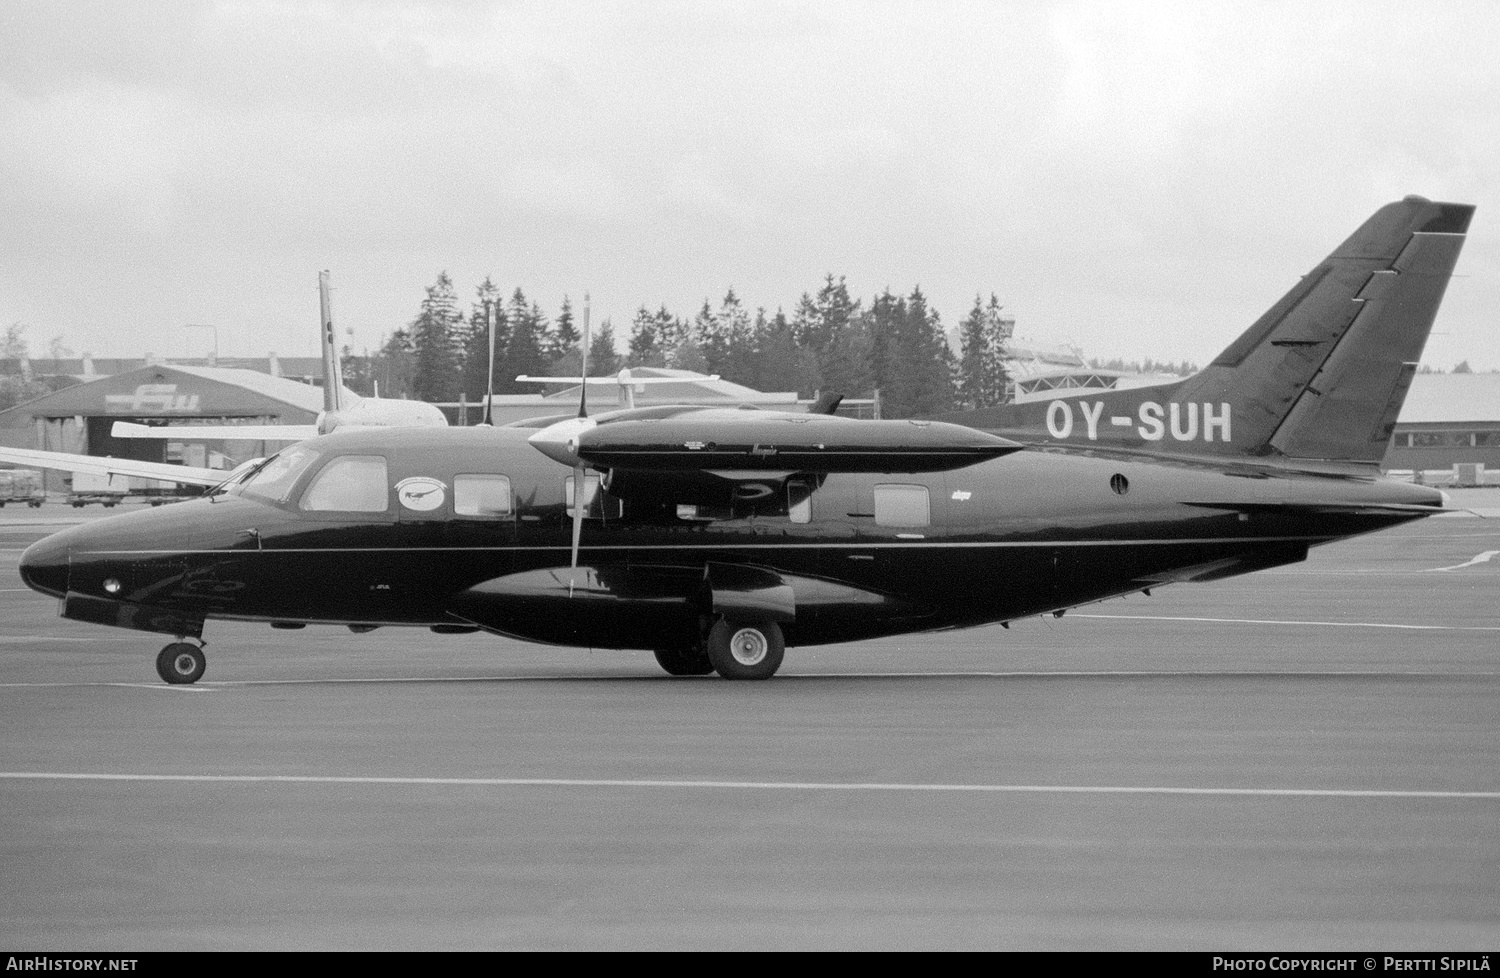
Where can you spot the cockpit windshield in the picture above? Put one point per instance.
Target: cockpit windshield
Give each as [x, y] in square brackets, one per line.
[274, 480]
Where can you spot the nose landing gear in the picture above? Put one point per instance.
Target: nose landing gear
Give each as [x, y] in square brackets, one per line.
[181, 663]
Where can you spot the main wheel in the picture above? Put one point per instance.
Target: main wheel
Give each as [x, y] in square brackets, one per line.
[181, 663]
[746, 650]
[684, 662]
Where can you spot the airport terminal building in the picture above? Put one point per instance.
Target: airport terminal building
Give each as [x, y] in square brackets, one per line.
[1449, 430]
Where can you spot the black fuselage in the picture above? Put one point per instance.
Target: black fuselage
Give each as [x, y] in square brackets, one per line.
[1032, 532]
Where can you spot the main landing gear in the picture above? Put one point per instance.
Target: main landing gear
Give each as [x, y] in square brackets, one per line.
[735, 649]
[181, 663]
[684, 662]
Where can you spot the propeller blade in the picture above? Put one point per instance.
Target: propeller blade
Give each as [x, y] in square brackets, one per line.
[489, 382]
[580, 496]
[583, 372]
[580, 474]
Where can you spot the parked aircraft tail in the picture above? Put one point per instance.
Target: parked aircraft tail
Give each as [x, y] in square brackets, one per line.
[333, 375]
[1321, 375]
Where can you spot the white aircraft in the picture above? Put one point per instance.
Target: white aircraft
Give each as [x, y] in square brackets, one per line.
[341, 410]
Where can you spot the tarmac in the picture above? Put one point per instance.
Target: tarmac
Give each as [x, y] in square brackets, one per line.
[1307, 758]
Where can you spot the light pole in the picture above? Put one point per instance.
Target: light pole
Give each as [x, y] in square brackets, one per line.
[215, 361]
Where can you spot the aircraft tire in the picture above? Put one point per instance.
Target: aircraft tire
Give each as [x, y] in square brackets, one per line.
[746, 649]
[181, 663]
[684, 662]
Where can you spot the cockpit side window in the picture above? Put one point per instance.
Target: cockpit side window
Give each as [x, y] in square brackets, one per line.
[481, 495]
[274, 480]
[349, 484]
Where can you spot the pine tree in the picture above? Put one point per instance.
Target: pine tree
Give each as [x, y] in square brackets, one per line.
[983, 336]
[921, 382]
[670, 330]
[476, 346]
[686, 355]
[565, 335]
[998, 330]
[739, 340]
[972, 382]
[805, 322]
[845, 365]
[604, 359]
[779, 363]
[710, 339]
[884, 322]
[435, 338]
[645, 342]
[523, 348]
[394, 366]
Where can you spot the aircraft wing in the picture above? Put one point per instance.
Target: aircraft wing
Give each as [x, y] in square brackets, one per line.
[95, 465]
[251, 432]
[720, 439]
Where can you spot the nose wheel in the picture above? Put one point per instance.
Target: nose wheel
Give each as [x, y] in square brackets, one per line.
[181, 663]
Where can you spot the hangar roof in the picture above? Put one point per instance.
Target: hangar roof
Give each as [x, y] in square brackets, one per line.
[1452, 398]
[173, 390]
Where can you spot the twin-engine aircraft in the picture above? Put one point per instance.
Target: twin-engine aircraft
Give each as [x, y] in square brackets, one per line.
[717, 538]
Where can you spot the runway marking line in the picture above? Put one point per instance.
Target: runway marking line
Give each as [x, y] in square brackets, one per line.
[12, 639]
[1326, 624]
[869, 786]
[223, 685]
[1476, 559]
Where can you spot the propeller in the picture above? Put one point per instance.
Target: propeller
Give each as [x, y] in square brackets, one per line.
[580, 494]
[489, 381]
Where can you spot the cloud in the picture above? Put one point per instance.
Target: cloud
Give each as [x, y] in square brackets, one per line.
[1143, 178]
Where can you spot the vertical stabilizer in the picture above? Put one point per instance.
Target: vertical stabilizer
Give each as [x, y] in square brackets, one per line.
[333, 375]
[1321, 375]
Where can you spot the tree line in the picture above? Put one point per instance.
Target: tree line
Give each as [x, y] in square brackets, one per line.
[831, 341]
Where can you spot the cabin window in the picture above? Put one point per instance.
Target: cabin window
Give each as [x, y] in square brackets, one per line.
[349, 484]
[899, 505]
[798, 501]
[273, 481]
[481, 495]
[590, 492]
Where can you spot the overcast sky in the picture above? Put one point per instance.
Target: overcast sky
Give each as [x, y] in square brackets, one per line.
[1138, 179]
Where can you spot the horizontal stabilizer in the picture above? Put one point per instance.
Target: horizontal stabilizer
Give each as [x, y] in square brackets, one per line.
[1218, 570]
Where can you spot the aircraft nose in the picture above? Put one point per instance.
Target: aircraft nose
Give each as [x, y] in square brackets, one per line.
[44, 566]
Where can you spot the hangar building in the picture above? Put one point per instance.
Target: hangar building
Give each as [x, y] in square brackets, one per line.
[79, 418]
[1449, 430]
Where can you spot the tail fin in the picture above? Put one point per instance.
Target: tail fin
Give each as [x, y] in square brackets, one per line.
[333, 374]
[1322, 375]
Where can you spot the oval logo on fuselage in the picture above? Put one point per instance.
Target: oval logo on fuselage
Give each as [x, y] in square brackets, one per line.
[420, 493]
